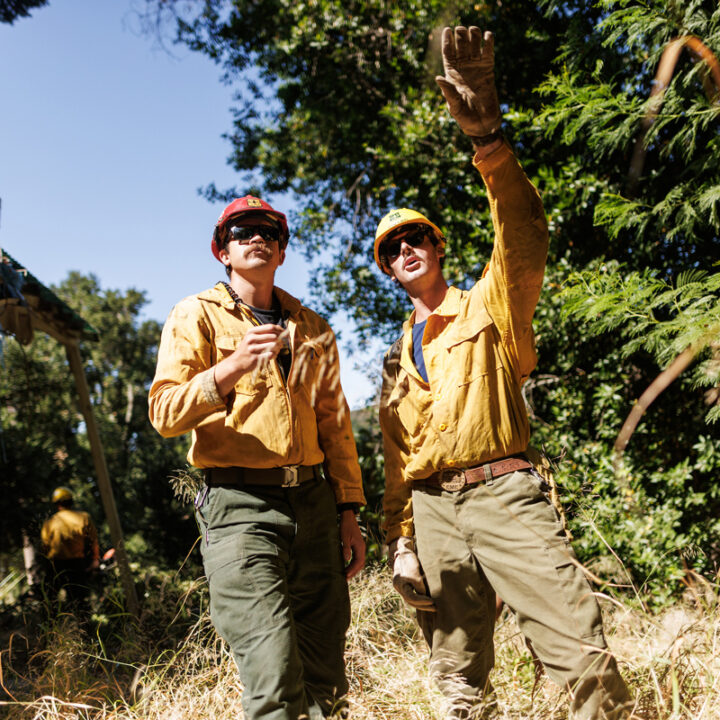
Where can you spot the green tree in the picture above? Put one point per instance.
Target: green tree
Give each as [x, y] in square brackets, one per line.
[336, 103]
[11, 10]
[651, 285]
[43, 433]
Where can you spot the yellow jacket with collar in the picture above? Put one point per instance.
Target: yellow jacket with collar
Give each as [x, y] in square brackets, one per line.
[265, 422]
[478, 348]
[70, 535]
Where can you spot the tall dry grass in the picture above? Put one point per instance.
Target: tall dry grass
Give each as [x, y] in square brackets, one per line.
[671, 661]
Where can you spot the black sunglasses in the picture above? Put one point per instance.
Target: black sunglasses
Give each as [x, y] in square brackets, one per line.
[414, 237]
[245, 233]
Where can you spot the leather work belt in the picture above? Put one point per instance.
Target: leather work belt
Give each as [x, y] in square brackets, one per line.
[290, 476]
[453, 479]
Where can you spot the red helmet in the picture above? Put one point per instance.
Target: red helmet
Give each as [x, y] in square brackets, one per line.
[248, 205]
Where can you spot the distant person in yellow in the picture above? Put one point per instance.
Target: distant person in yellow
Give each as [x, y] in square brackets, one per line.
[69, 541]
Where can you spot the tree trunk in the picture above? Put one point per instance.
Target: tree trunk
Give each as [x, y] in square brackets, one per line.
[29, 556]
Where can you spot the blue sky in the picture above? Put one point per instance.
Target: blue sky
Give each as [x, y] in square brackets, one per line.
[104, 140]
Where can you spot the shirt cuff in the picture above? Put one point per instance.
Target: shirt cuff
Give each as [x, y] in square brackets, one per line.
[493, 160]
[209, 388]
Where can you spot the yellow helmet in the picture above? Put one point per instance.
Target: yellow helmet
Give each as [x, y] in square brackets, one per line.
[61, 494]
[395, 219]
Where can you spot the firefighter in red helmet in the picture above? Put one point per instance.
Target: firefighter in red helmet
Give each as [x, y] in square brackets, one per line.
[253, 374]
[246, 208]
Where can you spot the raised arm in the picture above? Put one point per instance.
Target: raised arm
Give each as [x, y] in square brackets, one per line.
[512, 280]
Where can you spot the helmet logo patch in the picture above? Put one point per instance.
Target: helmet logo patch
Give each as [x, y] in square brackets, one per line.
[254, 202]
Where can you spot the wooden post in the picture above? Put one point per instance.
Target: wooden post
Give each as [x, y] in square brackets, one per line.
[103, 479]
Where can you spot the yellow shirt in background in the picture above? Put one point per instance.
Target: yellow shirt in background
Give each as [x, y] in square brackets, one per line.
[70, 535]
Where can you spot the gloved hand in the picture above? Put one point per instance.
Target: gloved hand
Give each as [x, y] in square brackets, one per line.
[469, 81]
[408, 577]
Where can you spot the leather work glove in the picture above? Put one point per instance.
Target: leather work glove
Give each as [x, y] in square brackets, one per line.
[469, 82]
[408, 577]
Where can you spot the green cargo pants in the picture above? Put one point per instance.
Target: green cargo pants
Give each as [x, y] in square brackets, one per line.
[278, 595]
[505, 537]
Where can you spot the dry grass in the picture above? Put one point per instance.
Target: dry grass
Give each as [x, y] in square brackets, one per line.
[671, 661]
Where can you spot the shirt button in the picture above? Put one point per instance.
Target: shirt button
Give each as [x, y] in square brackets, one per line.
[442, 427]
[438, 396]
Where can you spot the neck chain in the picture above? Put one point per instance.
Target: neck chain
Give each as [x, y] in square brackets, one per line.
[232, 293]
[239, 303]
[285, 352]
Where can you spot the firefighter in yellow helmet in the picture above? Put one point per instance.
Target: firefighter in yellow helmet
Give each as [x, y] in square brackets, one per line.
[69, 541]
[466, 513]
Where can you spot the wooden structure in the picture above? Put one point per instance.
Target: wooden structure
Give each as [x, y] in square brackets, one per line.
[27, 306]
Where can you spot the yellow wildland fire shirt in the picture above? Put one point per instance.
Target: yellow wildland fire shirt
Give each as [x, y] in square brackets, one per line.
[70, 535]
[478, 348]
[265, 422]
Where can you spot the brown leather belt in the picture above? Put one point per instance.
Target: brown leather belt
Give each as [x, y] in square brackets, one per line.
[290, 476]
[453, 479]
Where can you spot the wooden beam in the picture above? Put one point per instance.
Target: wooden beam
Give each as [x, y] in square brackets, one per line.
[103, 479]
[16, 319]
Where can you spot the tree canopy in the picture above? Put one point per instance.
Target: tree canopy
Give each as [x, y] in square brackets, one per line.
[44, 442]
[335, 102]
[11, 10]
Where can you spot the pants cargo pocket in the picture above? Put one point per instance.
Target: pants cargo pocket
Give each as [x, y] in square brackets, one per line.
[582, 606]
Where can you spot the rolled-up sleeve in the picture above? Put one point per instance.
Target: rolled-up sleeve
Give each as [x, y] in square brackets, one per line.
[183, 393]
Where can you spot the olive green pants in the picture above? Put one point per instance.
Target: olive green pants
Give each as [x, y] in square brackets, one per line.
[506, 537]
[278, 595]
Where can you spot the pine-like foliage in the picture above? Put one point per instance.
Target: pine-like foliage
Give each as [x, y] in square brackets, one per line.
[652, 290]
[653, 314]
[665, 222]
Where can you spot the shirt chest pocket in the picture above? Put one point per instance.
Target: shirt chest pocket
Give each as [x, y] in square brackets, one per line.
[250, 383]
[472, 347]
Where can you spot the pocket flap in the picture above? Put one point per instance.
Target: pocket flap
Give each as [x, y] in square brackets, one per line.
[226, 344]
[468, 327]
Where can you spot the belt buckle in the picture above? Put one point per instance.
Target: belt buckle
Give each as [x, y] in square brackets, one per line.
[292, 476]
[452, 479]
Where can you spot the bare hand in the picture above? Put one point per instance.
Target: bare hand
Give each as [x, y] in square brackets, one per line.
[353, 545]
[469, 81]
[261, 344]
